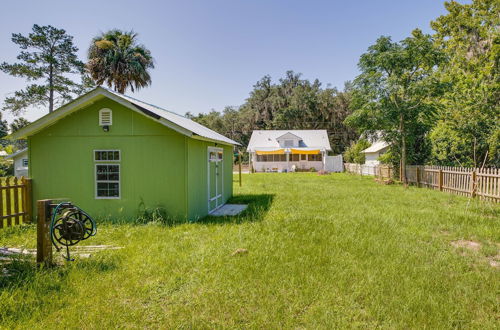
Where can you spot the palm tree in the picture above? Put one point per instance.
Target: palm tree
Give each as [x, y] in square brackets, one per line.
[116, 59]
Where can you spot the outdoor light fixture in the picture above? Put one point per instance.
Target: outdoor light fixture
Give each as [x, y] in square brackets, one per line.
[105, 128]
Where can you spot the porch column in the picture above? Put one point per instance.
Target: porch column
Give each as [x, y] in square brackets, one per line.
[287, 162]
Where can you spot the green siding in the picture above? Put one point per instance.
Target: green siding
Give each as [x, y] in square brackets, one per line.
[153, 162]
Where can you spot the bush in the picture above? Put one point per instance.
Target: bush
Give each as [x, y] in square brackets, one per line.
[353, 154]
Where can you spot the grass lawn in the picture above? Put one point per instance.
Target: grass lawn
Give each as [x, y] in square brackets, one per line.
[323, 251]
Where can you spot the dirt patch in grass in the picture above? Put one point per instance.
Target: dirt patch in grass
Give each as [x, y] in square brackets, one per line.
[474, 247]
[469, 245]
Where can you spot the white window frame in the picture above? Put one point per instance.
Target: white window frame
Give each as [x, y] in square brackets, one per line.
[110, 117]
[108, 162]
[107, 150]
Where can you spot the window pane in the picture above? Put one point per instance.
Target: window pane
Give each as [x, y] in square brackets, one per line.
[114, 190]
[219, 154]
[107, 155]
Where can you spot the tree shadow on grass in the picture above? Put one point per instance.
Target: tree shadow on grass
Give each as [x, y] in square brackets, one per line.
[258, 206]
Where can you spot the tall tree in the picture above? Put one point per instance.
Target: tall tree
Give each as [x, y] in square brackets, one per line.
[394, 92]
[47, 57]
[115, 58]
[468, 128]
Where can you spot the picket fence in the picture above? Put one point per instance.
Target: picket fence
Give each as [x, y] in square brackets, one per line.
[15, 201]
[471, 182]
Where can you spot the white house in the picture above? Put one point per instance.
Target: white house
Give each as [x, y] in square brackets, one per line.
[286, 150]
[20, 159]
[373, 152]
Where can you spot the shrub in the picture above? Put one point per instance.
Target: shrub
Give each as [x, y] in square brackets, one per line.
[353, 154]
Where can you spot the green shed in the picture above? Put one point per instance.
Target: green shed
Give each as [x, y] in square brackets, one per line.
[114, 155]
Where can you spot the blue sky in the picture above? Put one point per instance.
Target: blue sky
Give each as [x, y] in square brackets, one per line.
[209, 54]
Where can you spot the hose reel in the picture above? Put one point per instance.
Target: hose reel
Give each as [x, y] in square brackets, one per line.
[69, 226]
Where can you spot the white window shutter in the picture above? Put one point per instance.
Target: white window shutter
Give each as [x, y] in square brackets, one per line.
[105, 117]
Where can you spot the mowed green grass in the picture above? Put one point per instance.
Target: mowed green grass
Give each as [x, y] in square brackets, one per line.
[323, 251]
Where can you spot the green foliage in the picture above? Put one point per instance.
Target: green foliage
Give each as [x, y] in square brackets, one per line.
[396, 92]
[389, 158]
[468, 127]
[292, 103]
[4, 129]
[331, 251]
[115, 58]
[6, 168]
[354, 153]
[18, 123]
[47, 57]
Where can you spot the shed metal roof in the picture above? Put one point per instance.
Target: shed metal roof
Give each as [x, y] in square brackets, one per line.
[168, 118]
[376, 147]
[17, 153]
[310, 139]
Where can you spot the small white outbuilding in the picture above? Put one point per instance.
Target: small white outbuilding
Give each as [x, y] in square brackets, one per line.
[373, 152]
[20, 159]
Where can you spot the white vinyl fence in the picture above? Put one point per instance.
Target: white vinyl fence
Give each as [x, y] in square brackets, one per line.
[334, 163]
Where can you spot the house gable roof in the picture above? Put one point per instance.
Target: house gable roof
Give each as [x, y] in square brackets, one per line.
[288, 136]
[268, 139]
[169, 119]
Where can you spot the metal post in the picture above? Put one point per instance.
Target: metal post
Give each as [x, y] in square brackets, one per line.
[239, 164]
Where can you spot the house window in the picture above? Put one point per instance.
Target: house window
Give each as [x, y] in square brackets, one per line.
[105, 117]
[25, 162]
[294, 158]
[107, 174]
[288, 143]
[107, 180]
[303, 157]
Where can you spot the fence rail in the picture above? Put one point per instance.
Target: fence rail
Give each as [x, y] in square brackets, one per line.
[471, 182]
[15, 201]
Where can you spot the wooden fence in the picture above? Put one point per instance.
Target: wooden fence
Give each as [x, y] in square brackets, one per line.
[381, 171]
[15, 201]
[471, 182]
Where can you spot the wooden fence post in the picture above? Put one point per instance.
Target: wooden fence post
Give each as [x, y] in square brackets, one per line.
[28, 200]
[474, 184]
[440, 180]
[417, 175]
[43, 244]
